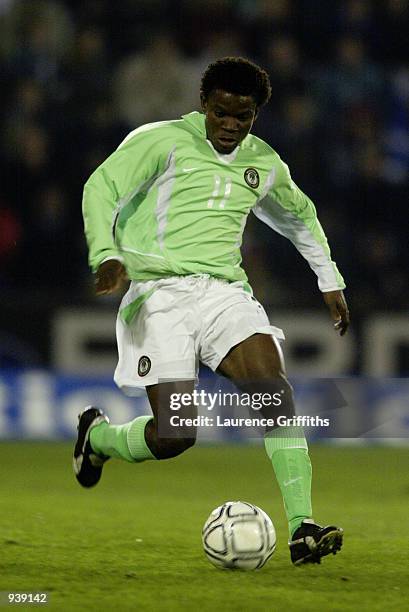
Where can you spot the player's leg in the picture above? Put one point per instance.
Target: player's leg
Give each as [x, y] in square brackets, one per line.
[143, 438]
[256, 365]
[151, 348]
[164, 439]
[150, 437]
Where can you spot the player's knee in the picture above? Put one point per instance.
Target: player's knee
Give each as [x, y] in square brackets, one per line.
[277, 393]
[285, 386]
[168, 448]
[275, 384]
[286, 396]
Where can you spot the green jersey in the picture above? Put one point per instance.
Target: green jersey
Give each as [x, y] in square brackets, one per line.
[166, 203]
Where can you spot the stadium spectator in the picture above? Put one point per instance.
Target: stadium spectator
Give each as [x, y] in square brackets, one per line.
[152, 84]
[37, 33]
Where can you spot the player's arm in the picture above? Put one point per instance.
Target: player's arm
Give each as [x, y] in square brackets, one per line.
[134, 164]
[286, 209]
[98, 205]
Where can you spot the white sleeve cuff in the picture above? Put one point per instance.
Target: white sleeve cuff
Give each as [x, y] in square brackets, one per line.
[328, 289]
[117, 257]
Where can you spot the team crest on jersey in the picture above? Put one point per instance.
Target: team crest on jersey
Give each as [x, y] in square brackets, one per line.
[252, 178]
[144, 365]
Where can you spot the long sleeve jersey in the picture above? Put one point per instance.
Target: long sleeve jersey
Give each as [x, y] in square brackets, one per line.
[167, 203]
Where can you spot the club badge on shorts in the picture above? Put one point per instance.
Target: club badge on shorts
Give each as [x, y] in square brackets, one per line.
[252, 178]
[144, 365]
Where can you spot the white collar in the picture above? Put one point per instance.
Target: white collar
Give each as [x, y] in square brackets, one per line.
[226, 158]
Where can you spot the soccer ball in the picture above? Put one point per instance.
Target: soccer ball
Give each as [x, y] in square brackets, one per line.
[238, 535]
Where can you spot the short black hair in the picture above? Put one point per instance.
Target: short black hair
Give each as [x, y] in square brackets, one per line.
[237, 75]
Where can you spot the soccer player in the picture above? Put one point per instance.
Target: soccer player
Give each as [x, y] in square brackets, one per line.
[167, 210]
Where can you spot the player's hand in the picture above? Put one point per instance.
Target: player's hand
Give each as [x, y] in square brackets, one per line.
[110, 277]
[339, 310]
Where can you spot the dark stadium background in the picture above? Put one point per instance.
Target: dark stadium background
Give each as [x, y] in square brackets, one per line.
[77, 76]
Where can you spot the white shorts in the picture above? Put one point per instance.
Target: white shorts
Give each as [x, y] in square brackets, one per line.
[184, 320]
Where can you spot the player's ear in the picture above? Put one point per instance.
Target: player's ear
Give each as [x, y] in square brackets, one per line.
[203, 103]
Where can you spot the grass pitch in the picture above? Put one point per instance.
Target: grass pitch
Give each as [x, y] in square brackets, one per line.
[134, 542]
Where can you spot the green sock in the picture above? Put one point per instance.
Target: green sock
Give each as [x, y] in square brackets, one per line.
[122, 441]
[288, 451]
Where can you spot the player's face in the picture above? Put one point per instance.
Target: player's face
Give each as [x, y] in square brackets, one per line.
[229, 118]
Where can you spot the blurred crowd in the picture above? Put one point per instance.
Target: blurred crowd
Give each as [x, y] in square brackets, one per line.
[77, 76]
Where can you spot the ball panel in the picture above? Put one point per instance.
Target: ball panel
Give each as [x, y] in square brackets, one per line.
[247, 564]
[247, 536]
[215, 540]
[215, 515]
[241, 508]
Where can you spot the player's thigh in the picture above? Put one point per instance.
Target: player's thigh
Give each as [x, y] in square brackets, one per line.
[257, 358]
[231, 316]
[173, 407]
